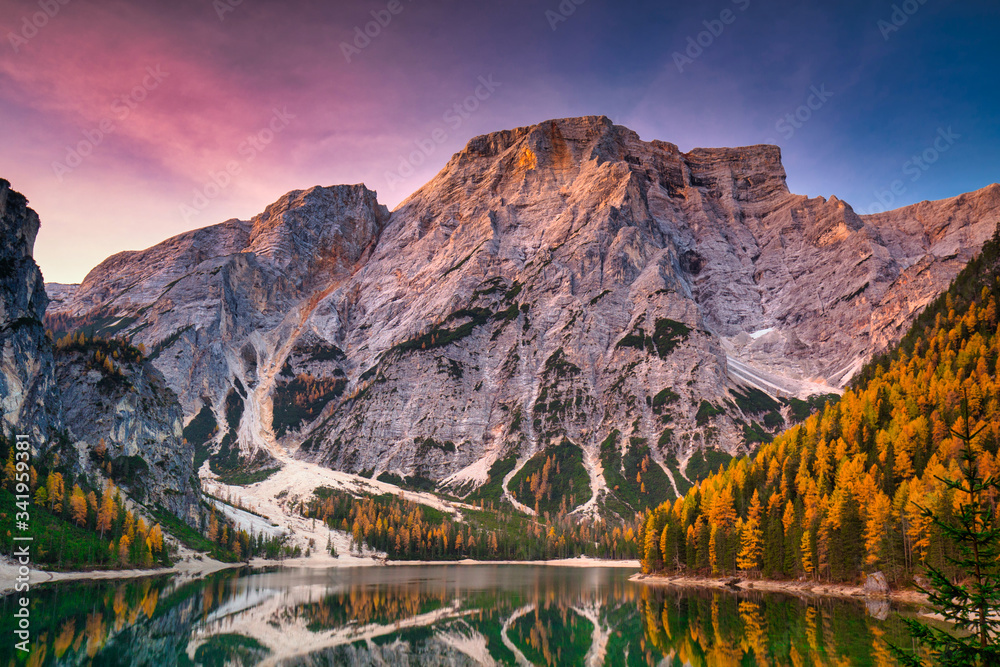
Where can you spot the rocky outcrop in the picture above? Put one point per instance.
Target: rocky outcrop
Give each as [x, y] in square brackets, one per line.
[876, 584]
[85, 392]
[607, 240]
[219, 309]
[126, 424]
[28, 396]
[564, 280]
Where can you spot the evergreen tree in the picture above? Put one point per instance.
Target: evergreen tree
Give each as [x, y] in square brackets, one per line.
[751, 537]
[974, 607]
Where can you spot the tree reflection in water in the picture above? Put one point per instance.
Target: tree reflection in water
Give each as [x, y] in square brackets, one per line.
[430, 615]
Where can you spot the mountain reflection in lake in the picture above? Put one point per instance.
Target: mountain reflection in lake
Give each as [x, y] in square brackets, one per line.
[439, 615]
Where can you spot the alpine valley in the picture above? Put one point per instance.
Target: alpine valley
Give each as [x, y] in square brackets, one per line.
[566, 319]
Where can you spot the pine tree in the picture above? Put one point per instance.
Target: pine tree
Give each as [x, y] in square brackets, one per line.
[9, 472]
[56, 490]
[106, 514]
[751, 538]
[213, 527]
[155, 539]
[78, 505]
[123, 547]
[974, 607]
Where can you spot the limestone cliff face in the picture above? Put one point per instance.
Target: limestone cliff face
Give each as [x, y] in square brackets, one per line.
[559, 280]
[607, 239]
[140, 422]
[219, 309]
[68, 399]
[28, 397]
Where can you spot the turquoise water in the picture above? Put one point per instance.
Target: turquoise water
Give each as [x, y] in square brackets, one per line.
[440, 615]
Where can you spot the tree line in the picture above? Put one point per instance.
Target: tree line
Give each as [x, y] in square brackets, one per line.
[409, 531]
[843, 493]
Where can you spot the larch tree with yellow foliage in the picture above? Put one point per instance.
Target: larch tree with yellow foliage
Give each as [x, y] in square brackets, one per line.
[751, 537]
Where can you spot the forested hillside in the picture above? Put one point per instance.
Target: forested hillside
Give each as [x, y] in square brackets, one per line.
[836, 496]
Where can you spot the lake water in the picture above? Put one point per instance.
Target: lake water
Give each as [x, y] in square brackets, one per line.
[440, 615]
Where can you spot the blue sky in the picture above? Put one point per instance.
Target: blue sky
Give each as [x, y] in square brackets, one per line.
[192, 90]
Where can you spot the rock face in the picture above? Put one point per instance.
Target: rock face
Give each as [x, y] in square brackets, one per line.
[28, 396]
[139, 420]
[220, 308]
[564, 280]
[131, 408]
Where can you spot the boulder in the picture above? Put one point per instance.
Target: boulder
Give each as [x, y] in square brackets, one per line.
[876, 585]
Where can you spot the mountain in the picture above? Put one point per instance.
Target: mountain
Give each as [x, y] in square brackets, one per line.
[219, 308]
[94, 410]
[864, 468]
[28, 393]
[563, 291]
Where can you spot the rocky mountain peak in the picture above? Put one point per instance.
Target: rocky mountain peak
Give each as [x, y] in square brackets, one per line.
[564, 146]
[18, 223]
[85, 391]
[332, 224]
[28, 394]
[565, 280]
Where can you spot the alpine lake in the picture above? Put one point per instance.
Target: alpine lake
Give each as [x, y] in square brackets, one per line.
[441, 615]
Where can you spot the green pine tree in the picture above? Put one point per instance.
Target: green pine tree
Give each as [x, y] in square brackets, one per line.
[973, 607]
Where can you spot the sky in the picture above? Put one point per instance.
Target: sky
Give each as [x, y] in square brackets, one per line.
[125, 123]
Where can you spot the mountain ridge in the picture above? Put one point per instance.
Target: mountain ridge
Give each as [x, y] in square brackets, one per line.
[89, 408]
[567, 244]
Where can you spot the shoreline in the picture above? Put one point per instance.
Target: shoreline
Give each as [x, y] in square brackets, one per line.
[196, 568]
[579, 561]
[187, 568]
[797, 588]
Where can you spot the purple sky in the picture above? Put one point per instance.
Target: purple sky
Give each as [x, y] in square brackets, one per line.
[193, 88]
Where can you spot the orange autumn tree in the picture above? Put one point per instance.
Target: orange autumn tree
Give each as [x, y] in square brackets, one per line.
[835, 494]
[78, 505]
[751, 537]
